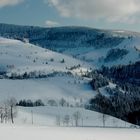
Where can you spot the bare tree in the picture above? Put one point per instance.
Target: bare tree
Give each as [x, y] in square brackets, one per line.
[32, 116]
[66, 120]
[104, 119]
[6, 112]
[58, 120]
[12, 107]
[62, 102]
[77, 116]
[1, 114]
[52, 102]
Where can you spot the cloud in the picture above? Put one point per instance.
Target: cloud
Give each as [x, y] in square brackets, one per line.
[109, 10]
[4, 3]
[50, 23]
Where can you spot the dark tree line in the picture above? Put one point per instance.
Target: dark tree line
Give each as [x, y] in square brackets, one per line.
[105, 40]
[34, 75]
[125, 76]
[120, 104]
[63, 37]
[98, 80]
[30, 103]
[114, 54]
[123, 101]
[123, 73]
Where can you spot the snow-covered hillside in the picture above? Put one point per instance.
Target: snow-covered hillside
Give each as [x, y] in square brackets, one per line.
[98, 57]
[95, 46]
[48, 116]
[47, 88]
[19, 57]
[63, 81]
[53, 85]
[28, 71]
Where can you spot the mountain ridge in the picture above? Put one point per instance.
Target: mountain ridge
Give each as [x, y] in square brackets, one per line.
[84, 27]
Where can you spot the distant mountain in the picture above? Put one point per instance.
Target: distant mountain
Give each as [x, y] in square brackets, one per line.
[98, 47]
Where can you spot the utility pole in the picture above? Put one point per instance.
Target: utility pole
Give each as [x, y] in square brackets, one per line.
[104, 120]
[82, 122]
[32, 117]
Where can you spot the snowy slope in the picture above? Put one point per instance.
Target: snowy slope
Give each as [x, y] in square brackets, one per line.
[96, 56]
[47, 116]
[88, 44]
[47, 88]
[19, 57]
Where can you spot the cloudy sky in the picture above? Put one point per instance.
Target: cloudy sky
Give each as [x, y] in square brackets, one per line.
[107, 14]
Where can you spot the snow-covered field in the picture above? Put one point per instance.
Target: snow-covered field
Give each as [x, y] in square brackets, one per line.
[48, 116]
[48, 88]
[40, 123]
[56, 133]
